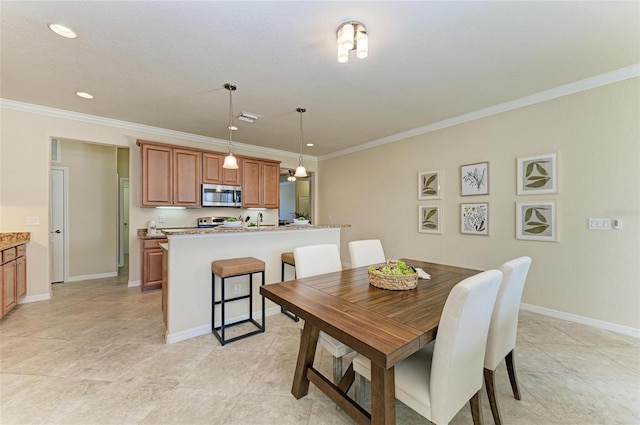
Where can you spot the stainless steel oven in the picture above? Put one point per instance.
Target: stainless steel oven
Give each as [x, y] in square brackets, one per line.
[218, 195]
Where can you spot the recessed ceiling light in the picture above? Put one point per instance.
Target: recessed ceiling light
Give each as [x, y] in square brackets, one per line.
[62, 31]
[309, 144]
[84, 95]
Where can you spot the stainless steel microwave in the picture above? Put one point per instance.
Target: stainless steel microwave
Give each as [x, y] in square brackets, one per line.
[218, 195]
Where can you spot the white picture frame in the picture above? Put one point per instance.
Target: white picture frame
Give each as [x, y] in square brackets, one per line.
[474, 218]
[536, 221]
[430, 219]
[537, 175]
[474, 179]
[429, 184]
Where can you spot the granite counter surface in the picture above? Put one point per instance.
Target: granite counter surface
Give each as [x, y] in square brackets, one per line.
[11, 239]
[142, 233]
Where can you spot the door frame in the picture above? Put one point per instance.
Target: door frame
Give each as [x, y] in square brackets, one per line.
[65, 221]
[121, 234]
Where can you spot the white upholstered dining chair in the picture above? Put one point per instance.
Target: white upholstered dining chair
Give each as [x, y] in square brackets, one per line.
[313, 260]
[438, 380]
[501, 341]
[366, 252]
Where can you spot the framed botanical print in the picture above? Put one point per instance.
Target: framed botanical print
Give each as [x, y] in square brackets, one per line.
[429, 185]
[536, 221]
[474, 219]
[537, 175]
[429, 219]
[474, 179]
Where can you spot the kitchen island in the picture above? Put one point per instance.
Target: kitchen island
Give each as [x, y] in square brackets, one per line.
[189, 257]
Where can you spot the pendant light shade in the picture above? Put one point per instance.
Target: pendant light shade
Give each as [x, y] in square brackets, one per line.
[300, 170]
[230, 161]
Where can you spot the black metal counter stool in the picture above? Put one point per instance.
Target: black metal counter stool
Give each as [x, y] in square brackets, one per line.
[231, 268]
[287, 258]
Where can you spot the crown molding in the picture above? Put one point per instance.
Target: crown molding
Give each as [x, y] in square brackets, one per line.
[126, 125]
[621, 74]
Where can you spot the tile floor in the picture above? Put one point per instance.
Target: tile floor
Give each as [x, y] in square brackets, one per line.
[95, 354]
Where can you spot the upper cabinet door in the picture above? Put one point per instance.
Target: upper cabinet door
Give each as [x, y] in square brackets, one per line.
[250, 183]
[156, 175]
[270, 173]
[186, 177]
[213, 173]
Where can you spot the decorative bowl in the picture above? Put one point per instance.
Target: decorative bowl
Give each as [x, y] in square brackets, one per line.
[231, 224]
[300, 222]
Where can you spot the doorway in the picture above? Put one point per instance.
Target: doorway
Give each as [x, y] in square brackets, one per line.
[123, 221]
[58, 224]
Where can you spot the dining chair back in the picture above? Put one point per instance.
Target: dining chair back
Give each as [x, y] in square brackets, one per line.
[439, 379]
[366, 252]
[313, 260]
[501, 341]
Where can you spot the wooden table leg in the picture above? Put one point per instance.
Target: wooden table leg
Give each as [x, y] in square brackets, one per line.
[383, 395]
[306, 354]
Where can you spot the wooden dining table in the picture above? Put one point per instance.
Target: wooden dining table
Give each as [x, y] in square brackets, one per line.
[383, 325]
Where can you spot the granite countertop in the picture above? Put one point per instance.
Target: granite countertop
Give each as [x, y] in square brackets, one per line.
[142, 233]
[11, 239]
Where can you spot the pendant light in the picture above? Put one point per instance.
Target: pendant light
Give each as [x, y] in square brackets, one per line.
[300, 170]
[230, 161]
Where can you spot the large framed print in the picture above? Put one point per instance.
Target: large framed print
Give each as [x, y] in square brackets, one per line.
[537, 175]
[429, 185]
[474, 179]
[536, 221]
[474, 219]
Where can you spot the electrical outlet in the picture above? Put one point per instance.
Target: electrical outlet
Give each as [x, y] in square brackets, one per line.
[160, 219]
[236, 289]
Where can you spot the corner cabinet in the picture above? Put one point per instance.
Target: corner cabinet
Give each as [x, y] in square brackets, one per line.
[171, 176]
[13, 277]
[213, 173]
[260, 183]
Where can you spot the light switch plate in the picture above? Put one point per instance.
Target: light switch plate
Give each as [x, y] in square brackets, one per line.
[33, 220]
[600, 224]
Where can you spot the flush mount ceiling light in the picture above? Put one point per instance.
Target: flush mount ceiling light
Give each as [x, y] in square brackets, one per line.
[84, 95]
[230, 161]
[352, 35]
[300, 170]
[63, 31]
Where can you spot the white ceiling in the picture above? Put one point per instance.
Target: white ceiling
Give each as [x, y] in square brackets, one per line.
[163, 63]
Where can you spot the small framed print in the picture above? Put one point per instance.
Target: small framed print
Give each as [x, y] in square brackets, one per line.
[429, 185]
[536, 221]
[474, 219]
[429, 219]
[537, 175]
[474, 179]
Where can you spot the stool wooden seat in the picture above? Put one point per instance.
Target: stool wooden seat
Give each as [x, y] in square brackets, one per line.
[233, 267]
[287, 258]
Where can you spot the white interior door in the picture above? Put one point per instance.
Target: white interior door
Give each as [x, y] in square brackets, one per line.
[57, 227]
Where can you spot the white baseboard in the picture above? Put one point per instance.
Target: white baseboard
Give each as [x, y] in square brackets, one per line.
[172, 338]
[600, 324]
[34, 298]
[91, 276]
[133, 283]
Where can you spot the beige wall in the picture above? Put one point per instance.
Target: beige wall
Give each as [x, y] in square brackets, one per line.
[25, 136]
[593, 274]
[92, 208]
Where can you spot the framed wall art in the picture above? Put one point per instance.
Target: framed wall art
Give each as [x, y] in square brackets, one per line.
[537, 175]
[429, 219]
[474, 219]
[429, 185]
[536, 221]
[474, 179]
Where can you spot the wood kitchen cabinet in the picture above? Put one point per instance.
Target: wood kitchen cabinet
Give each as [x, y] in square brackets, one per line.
[171, 176]
[260, 183]
[152, 260]
[213, 173]
[13, 277]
